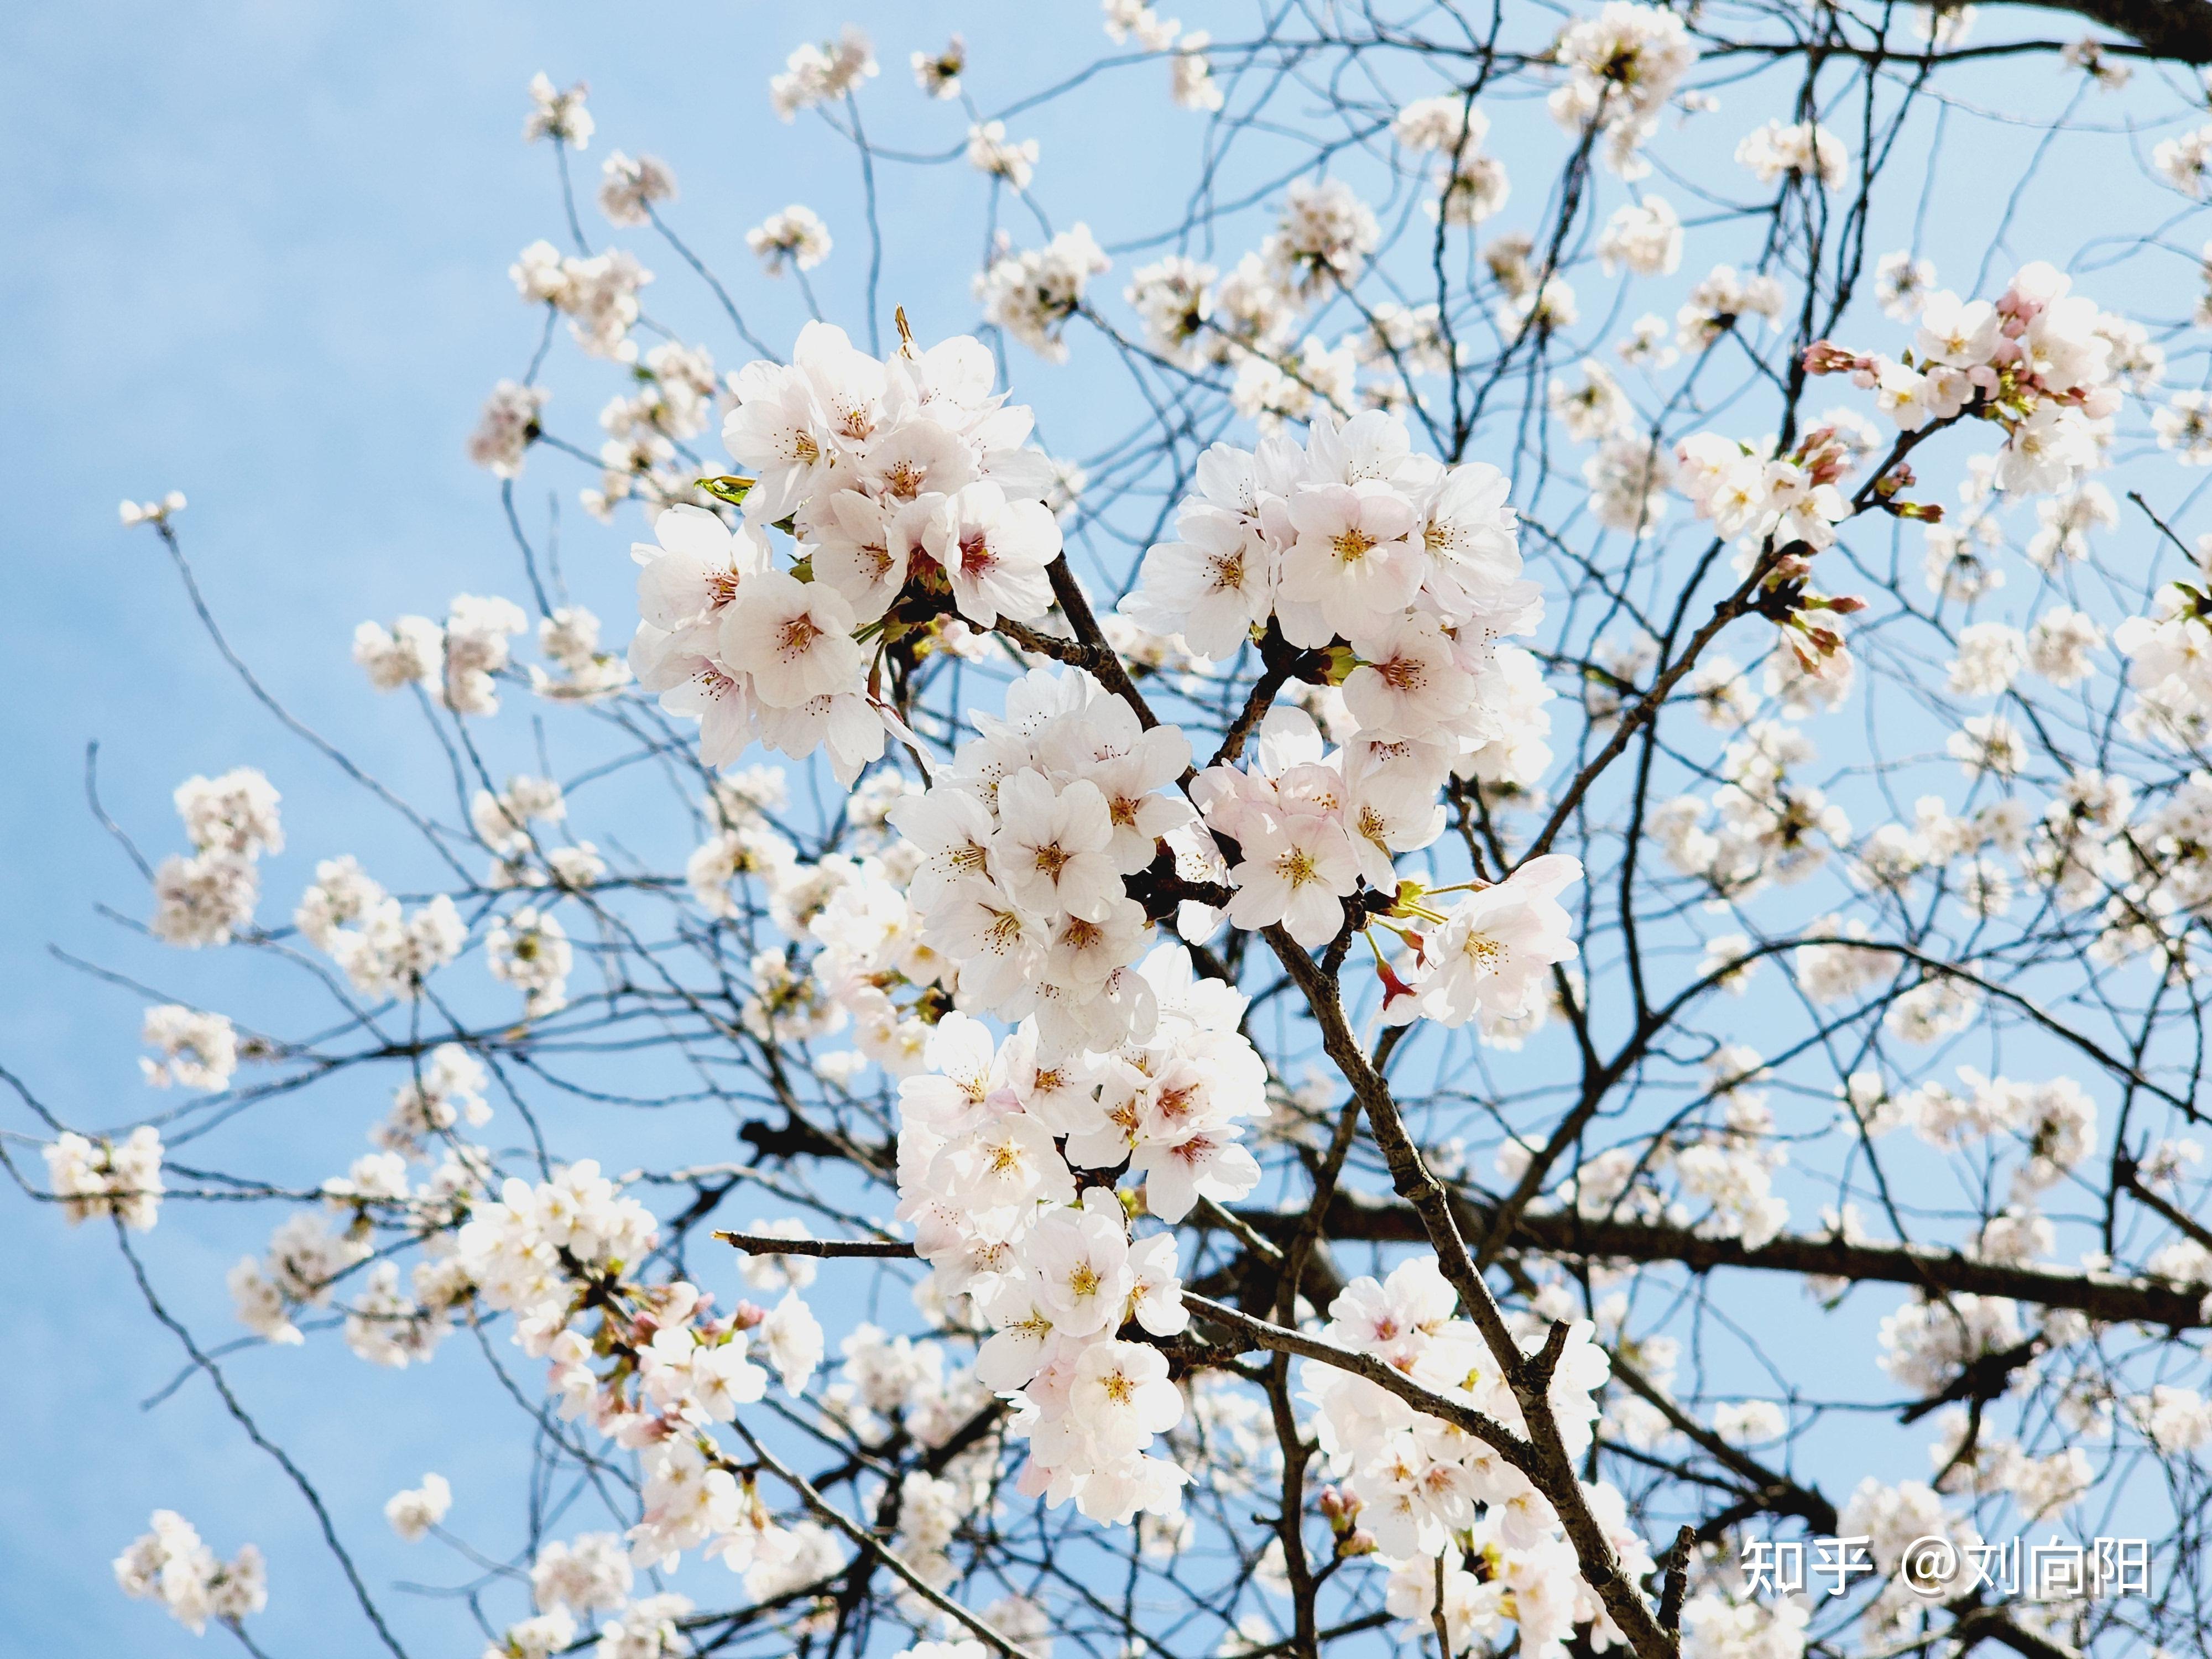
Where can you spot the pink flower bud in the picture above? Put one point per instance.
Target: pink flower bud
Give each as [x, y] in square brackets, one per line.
[1826, 357]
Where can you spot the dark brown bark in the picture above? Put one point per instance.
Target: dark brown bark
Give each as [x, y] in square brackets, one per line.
[2179, 29]
[2108, 1298]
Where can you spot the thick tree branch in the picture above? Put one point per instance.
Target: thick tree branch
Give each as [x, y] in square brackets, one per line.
[2179, 29]
[2108, 1298]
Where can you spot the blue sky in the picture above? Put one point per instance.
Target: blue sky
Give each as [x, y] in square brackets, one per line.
[257, 252]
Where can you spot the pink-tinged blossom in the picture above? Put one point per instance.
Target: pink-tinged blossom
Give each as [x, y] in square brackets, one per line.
[1353, 565]
[1297, 870]
[1494, 956]
[1409, 685]
[1051, 849]
[794, 638]
[994, 551]
[697, 569]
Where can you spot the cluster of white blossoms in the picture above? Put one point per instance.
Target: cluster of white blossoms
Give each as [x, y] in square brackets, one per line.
[2041, 361]
[526, 857]
[1476, 187]
[991, 152]
[1715, 1627]
[1321, 243]
[1762, 825]
[1135, 20]
[1032, 293]
[558, 117]
[2041, 1487]
[107, 1177]
[569, 637]
[209, 898]
[1008, 1149]
[458, 663]
[530, 951]
[589, 1573]
[2169, 655]
[1623, 67]
[1802, 149]
[2185, 162]
[1490, 958]
[910, 492]
[1428, 1494]
[1722, 1172]
[1024, 842]
[513, 1248]
[1006, 1167]
[171, 1564]
[1725, 1171]
[1757, 499]
[413, 1512]
[1724, 299]
[1352, 533]
[1891, 1518]
[445, 1092]
[2149, 872]
[1644, 237]
[938, 73]
[157, 514]
[557, 1253]
[529, 948]
[508, 427]
[1925, 1344]
[821, 74]
[311, 1252]
[383, 948]
[2056, 1121]
[1167, 1100]
[597, 293]
[1194, 315]
[647, 1628]
[628, 186]
[1351, 536]
[198, 1050]
[1190, 84]
[673, 399]
[550, 1254]
[795, 237]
